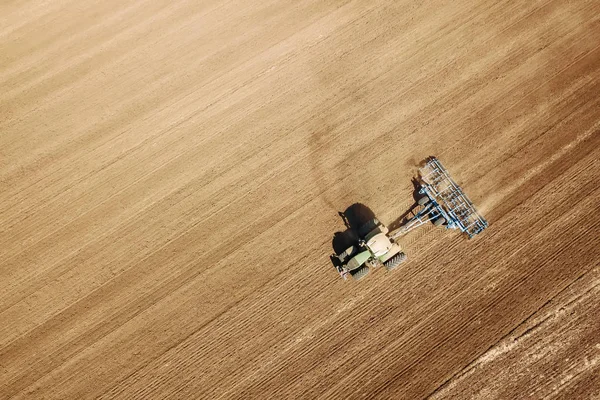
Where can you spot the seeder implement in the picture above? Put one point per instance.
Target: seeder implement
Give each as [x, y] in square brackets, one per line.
[443, 202]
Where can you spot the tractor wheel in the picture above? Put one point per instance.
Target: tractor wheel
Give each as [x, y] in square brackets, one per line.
[439, 221]
[423, 200]
[360, 272]
[393, 262]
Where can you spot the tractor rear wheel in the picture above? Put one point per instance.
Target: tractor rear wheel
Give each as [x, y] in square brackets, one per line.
[423, 200]
[439, 221]
[360, 272]
[393, 262]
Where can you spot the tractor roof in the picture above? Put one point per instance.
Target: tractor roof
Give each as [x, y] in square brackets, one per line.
[379, 244]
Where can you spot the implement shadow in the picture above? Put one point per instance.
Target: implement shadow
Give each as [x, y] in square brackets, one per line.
[401, 220]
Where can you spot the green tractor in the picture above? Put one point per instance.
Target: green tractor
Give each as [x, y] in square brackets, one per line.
[373, 249]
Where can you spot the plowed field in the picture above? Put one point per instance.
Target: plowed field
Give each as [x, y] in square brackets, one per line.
[171, 174]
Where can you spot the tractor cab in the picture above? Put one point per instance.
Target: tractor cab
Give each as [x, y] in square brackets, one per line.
[379, 244]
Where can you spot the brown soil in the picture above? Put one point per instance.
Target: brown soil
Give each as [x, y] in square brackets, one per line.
[171, 175]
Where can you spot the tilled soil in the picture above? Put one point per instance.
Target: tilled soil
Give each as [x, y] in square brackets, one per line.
[171, 175]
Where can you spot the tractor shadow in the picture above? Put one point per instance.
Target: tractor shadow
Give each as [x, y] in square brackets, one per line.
[359, 220]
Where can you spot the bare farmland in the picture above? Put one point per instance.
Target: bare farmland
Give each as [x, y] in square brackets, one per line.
[171, 174]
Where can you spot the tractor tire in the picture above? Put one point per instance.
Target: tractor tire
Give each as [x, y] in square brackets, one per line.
[393, 262]
[423, 200]
[360, 272]
[439, 221]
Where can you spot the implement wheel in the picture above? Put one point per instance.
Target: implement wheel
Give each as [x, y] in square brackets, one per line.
[439, 221]
[393, 262]
[360, 272]
[423, 200]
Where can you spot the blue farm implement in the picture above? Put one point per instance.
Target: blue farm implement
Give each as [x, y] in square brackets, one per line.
[442, 202]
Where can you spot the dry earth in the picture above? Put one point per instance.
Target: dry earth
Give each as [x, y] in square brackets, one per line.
[171, 173]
